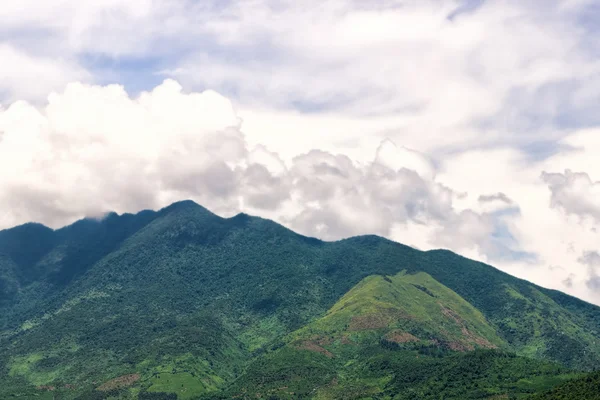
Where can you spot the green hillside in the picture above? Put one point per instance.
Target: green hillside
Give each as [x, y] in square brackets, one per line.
[407, 308]
[183, 301]
[377, 372]
[400, 337]
[586, 387]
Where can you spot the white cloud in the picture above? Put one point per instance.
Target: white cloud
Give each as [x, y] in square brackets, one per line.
[431, 83]
[575, 193]
[23, 76]
[555, 209]
[383, 117]
[349, 73]
[592, 260]
[94, 149]
[109, 27]
[392, 157]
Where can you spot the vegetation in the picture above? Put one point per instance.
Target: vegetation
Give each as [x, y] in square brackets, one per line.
[587, 387]
[395, 337]
[380, 373]
[196, 305]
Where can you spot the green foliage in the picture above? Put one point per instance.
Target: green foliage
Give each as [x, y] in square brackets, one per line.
[157, 396]
[287, 373]
[587, 387]
[416, 306]
[376, 372]
[183, 384]
[186, 293]
[473, 375]
[355, 351]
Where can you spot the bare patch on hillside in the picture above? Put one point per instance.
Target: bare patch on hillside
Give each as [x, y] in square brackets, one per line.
[313, 346]
[347, 340]
[376, 320]
[120, 382]
[451, 315]
[458, 346]
[478, 340]
[470, 337]
[399, 337]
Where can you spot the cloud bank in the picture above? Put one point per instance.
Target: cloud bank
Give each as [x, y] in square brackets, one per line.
[469, 125]
[94, 149]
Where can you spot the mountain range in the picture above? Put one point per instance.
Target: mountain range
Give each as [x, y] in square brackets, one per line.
[183, 304]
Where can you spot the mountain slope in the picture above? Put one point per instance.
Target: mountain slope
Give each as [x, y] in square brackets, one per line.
[184, 290]
[408, 308]
[401, 337]
[399, 374]
[586, 387]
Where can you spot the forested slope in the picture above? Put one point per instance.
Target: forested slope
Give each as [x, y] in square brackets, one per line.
[184, 292]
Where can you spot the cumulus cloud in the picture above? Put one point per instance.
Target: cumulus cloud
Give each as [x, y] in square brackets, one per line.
[495, 202]
[485, 143]
[592, 260]
[345, 198]
[392, 157]
[552, 214]
[94, 149]
[501, 197]
[568, 281]
[574, 192]
[395, 195]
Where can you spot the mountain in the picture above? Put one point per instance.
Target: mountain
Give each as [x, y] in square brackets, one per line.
[181, 302]
[402, 337]
[409, 308]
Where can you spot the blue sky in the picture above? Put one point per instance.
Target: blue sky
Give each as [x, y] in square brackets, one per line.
[470, 125]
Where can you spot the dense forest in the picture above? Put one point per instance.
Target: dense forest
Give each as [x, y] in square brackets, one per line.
[181, 303]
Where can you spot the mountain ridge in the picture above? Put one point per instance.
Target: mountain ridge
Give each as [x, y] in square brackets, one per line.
[184, 289]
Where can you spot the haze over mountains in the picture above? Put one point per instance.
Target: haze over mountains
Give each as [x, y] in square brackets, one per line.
[181, 302]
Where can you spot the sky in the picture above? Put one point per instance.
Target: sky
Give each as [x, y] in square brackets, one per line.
[471, 125]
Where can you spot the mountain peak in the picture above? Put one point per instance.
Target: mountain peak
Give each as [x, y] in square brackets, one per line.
[416, 305]
[186, 205]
